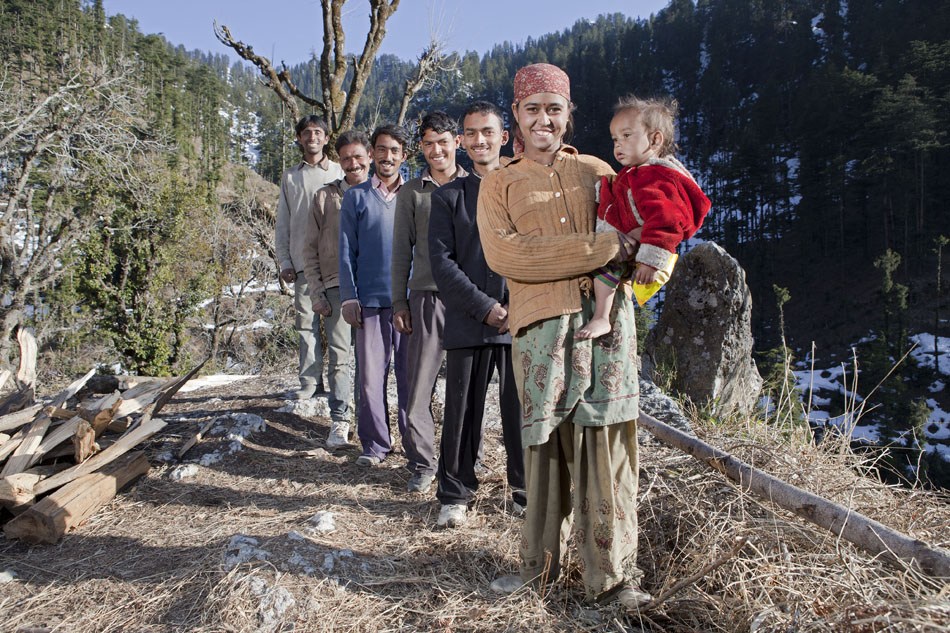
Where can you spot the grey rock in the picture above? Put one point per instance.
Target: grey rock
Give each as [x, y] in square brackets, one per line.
[703, 338]
[656, 403]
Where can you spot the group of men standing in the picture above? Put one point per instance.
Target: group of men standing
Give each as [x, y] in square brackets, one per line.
[399, 266]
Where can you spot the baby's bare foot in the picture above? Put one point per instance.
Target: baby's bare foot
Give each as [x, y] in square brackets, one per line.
[594, 329]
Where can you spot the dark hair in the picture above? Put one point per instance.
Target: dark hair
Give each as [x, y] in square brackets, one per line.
[397, 132]
[311, 119]
[485, 107]
[352, 137]
[439, 122]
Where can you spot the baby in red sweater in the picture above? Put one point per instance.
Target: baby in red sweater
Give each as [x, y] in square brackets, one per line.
[653, 200]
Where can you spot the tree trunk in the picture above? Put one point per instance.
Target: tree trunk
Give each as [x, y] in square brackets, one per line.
[862, 531]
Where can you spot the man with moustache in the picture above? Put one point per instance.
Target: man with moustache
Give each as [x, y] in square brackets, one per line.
[476, 336]
[322, 269]
[418, 311]
[297, 188]
[366, 238]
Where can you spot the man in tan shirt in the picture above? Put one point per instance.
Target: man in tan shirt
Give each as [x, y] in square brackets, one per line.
[297, 188]
[322, 269]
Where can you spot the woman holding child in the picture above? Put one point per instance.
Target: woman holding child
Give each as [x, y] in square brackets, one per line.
[580, 397]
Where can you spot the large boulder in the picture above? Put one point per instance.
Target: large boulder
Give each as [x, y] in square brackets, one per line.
[702, 342]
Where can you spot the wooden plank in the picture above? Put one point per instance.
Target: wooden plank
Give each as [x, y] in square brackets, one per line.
[25, 454]
[57, 436]
[49, 519]
[197, 437]
[17, 419]
[11, 445]
[62, 397]
[121, 446]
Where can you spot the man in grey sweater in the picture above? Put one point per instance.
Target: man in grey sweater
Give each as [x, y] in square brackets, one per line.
[417, 310]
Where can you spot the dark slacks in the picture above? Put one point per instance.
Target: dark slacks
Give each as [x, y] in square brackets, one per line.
[468, 372]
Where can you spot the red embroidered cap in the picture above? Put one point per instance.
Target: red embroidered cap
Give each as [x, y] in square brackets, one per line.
[537, 78]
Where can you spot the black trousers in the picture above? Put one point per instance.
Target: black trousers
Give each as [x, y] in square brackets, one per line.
[468, 371]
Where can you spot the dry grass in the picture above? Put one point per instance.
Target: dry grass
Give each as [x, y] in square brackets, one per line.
[155, 559]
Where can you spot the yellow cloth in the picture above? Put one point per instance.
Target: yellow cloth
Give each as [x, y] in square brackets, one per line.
[643, 292]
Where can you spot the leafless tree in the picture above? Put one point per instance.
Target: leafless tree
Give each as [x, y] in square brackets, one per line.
[336, 105]
[80, 134]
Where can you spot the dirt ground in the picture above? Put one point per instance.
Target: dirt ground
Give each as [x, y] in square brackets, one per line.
[274, 533]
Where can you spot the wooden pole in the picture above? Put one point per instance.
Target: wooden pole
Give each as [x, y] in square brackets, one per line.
[844, 522]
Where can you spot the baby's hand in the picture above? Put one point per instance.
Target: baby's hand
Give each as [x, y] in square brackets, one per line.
[644, 274]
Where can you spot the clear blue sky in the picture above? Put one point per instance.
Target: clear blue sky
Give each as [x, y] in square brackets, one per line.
[289, 30]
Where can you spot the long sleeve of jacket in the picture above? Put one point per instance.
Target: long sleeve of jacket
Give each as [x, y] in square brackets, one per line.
[282, 231]
[404, 238]
[456, 289]
[311, 249]
[349, 247]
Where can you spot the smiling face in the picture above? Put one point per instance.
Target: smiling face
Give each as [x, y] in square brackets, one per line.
[354, 159]
[387, 157]
[542, 118]
[483, 137]
[633, 144]
[311, 141]
[438, 148]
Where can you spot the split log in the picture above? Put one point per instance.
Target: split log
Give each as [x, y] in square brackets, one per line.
[3, 438]
[11, 445]
[18, 418]
[121, 446]
[25, 454]
[843, 522]
[4, 377]
[84, 442]
[26, 375]
[49, 519]
[16, 491]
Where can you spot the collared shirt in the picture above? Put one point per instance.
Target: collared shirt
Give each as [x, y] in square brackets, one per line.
[297, 188]
[387, 193]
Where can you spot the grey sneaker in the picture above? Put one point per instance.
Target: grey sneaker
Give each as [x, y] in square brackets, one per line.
[452, 515]
[420, 482]
[369, 461]
[506, 584]
[339, 434]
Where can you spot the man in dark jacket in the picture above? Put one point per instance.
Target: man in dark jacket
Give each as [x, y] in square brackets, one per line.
[476, 336]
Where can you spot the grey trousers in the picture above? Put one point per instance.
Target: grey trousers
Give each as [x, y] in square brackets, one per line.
[425, 356]
[307, 324]
[339, 340]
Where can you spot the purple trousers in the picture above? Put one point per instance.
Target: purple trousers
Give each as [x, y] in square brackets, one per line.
[378, 346]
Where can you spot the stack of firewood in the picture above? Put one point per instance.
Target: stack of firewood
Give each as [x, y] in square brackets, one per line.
[63, 459]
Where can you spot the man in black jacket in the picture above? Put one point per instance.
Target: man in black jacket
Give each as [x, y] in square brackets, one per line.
[476, 336]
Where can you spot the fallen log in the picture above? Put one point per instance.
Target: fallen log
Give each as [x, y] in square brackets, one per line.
[49, 519]
[842, 521]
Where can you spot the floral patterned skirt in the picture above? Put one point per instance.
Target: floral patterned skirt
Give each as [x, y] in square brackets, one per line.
[594, 382]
